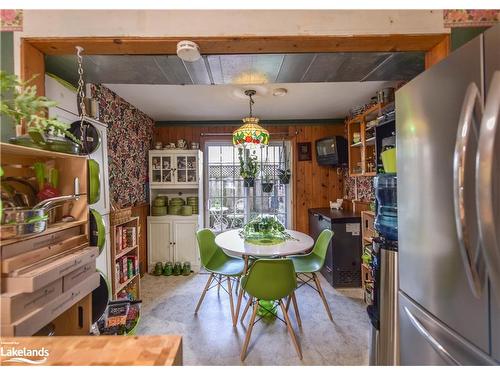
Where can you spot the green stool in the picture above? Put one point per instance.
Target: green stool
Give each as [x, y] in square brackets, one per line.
[221, 266]
[269, 280]
[312, 263]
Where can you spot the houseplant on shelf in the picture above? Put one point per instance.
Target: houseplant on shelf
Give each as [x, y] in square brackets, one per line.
[284, 173]
[20, 102]
[248, 168]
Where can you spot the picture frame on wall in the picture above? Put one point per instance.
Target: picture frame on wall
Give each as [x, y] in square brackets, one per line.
[304, 151]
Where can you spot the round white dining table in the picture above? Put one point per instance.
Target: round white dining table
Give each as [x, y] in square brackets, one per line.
[233, 244]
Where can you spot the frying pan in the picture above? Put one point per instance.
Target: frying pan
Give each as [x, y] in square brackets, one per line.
[100, 298]
[92, 138]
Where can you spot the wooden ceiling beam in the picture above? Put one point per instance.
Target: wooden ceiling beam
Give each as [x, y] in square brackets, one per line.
[237, 44]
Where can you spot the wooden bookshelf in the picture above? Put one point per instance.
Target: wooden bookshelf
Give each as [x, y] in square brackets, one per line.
[117, 255]
[362, 155]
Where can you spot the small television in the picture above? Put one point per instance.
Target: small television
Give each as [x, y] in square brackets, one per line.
[332, 151]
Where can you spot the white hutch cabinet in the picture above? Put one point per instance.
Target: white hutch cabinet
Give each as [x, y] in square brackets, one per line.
[175, 173]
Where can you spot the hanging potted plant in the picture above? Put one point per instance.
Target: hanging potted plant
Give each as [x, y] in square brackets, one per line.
[267, 181]
[284, 173]
[21, 103]
[248, 168]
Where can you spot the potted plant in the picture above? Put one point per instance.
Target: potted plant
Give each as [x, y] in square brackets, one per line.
[267, 181]
[21, 103]
[248, 168]
[284, 174]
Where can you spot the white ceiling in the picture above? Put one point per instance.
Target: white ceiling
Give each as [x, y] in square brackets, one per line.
[225, 102]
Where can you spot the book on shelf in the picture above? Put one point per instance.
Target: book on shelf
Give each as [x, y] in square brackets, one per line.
[125, 237]
[126, 268]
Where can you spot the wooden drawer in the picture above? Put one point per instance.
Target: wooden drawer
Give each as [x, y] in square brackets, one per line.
[36, 276]
[30, 244]
[31, 323]
[78, 275]
[16, 305]
[23, 260]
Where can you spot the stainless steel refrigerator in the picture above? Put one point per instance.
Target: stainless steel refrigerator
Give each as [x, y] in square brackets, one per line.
[448, 153]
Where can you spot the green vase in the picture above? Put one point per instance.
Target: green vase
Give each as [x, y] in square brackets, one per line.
[177, 269]
[186, 269]
[168, 269]
[158, 269]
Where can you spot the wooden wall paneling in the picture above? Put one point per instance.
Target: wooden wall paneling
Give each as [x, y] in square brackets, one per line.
[314, 185]
[142, 211]
[438, 52]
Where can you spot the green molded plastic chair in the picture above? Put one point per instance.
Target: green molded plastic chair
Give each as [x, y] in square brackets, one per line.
[221, 266]
[312, 263]
[269, 280]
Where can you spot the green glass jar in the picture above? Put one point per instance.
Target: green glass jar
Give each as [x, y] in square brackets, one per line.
[168, 269]
[158, 269]
[186, 269]
[177, 268]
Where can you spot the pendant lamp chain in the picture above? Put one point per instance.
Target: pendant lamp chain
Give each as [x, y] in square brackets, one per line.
[81, 96]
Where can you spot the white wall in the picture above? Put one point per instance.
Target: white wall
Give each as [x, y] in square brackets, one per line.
[65, 23]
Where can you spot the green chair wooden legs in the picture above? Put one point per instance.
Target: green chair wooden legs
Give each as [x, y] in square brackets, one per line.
[312, 263]
[318, 289]
[252, 301]
[269, 280]
[222, 267]
[219, 280]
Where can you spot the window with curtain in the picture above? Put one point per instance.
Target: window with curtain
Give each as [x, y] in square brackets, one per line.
[229, 204]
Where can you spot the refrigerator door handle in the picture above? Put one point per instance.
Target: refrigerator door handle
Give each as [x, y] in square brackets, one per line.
[443, 353]
[472, 102]
[488, 181]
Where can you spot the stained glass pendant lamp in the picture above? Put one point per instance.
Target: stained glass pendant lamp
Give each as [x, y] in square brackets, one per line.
[250, 134]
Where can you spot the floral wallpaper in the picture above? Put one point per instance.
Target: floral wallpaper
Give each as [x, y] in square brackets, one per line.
[130, 137]
[366, 193]
[470, 17]
[11, 20]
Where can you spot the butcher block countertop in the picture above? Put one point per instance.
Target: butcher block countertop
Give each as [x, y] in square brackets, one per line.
[96, 350]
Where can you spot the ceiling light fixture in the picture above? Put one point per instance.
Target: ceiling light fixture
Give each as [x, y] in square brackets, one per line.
[250, 134]
[188, 51]
[281, 91]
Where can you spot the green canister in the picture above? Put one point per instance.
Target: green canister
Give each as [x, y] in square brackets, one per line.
[177, 268]
[168, 269]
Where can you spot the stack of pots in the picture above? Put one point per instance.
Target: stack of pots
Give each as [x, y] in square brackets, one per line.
[159, 206]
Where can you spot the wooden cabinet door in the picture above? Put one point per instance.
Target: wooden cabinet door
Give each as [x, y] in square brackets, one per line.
[185, 244]
[159, 243]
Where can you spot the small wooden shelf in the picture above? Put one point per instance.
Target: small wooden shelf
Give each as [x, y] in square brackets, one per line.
[123, 285]
[30, 151]
[362, 154]
[132, 222]
[53, 228]
[125, 251]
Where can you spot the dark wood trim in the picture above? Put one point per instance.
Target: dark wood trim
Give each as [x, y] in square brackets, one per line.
[438, 52]
[308, 122]
[238, 44]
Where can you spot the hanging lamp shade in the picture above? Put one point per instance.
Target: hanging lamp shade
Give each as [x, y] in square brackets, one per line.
[250, 134]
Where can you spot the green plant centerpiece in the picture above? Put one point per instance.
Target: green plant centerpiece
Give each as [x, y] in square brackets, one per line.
[264, 230]
[20, 102]
[248, 167]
